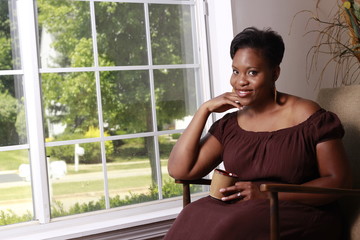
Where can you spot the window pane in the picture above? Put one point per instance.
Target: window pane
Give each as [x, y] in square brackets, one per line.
[65, 33]
[175, 97]
[76, 179]
[15, 187]
[70, 106]
[132, 172]
[9, 50]
[170, 188]
[126, 101]
[171, 34]
[12, 114]
[121, 35]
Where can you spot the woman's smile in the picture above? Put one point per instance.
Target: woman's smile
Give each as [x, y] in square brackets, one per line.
[244, 93]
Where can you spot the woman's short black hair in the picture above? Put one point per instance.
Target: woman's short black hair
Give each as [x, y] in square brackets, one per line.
[269, 42]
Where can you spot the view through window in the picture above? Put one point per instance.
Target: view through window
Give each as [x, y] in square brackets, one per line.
[119, 81]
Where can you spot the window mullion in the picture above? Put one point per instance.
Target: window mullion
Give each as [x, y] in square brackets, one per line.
[153, 102]
[99, 104]
[32, 90]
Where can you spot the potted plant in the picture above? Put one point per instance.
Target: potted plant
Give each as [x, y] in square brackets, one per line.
[339, 37]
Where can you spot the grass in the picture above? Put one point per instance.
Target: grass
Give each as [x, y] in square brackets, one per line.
[11, 160]
[74, 187]
[15, 193]
[98, 185]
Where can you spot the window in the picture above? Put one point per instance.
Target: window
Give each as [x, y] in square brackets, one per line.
[106, 93]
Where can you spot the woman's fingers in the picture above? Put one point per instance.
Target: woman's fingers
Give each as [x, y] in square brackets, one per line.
[242, 191]
[224, 102]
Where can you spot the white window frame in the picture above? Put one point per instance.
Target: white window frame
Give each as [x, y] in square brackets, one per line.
[213, 13]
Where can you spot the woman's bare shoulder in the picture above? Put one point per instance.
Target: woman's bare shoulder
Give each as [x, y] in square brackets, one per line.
[301, 108]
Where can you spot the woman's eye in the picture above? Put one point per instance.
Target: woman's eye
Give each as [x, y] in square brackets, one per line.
[235, 72]
[252, 73]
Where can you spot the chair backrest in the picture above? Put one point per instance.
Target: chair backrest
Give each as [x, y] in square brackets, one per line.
[345, 102]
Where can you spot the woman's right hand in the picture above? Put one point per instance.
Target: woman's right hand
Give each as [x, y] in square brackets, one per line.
[191, 158]
[223, 102]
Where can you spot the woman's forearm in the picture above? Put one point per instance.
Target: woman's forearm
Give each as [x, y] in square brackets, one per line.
[184, 154]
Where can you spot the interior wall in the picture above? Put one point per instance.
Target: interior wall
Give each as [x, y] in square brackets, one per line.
[279, 15]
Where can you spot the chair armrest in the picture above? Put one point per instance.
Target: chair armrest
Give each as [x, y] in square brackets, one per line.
[201, 181]
[274, 189]
[270, 187]
[186, 187]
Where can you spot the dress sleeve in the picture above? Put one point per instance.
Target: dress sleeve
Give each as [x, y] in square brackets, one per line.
[327, 127]
[218, 127]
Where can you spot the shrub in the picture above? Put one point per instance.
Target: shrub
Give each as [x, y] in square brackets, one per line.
[92, 150]
[170, 189]
[9, 217]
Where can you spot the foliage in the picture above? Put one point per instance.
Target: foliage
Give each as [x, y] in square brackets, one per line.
[65, 152]
[8, 116]
[170, 189]
[176, 135]
[9, 217]
[92, 153]
[9, 105]
[92, 150]
[126, 99]
[126, 102]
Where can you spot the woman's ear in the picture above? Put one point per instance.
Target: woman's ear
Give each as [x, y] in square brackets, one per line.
[276, 73]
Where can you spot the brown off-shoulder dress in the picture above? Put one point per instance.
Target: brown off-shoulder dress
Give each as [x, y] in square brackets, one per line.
[283, 156]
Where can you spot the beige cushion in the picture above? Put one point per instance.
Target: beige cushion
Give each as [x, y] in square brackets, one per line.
[345, 102]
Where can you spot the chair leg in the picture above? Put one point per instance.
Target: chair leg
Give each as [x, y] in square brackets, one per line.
[274, 216]
[186, 194]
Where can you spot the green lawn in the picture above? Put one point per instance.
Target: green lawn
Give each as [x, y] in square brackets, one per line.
[11, 160]
[65, 188]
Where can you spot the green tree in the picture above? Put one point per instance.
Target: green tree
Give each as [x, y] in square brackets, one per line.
[12, 115]
[121, 39]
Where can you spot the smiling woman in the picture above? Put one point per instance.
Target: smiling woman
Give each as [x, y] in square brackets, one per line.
[289, 140]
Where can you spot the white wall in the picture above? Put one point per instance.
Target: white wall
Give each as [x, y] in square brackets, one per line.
[279, 14]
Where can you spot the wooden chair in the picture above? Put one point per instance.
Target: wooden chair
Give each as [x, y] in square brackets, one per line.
[345, 102]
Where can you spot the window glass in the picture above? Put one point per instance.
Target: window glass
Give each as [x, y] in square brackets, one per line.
[171, 34]
[70, 104]
[12, 113]
[9, 50]
[132, 172]
[121, 35]
[169, 187]
[15, 186]
[126, 102]
[105, 99]
[175, 97]
[112, 103]
[76, 179]
[65, 33]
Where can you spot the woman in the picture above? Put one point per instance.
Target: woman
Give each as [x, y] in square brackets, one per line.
[273, 137]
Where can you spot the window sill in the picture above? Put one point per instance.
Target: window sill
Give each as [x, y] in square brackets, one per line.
[124, 219]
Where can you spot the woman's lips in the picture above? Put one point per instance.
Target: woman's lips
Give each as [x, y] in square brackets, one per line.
[244, 93]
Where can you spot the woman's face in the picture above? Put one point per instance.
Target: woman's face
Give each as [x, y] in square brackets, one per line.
[252, 78]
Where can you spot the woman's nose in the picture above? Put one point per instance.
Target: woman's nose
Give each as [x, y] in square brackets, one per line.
[242, 81]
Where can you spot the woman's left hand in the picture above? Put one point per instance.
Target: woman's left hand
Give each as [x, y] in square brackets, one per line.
[243, 191]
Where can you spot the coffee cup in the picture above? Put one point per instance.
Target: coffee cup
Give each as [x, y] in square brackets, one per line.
[221, 179]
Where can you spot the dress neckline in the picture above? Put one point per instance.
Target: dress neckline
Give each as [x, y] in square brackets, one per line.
[305, 122]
